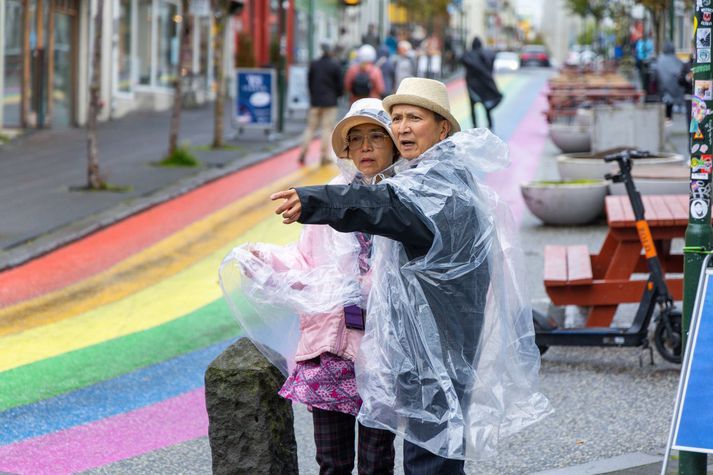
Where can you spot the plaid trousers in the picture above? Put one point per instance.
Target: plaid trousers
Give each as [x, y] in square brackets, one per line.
[334, 438]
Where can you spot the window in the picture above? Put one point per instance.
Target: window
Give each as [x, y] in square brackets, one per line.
[13, 63]
[124, 76]
[144, 40]
[168, 47]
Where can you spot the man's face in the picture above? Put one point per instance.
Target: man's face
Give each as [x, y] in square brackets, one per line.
[416, 129]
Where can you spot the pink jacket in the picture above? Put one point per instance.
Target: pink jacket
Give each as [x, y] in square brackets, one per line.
[319, 332]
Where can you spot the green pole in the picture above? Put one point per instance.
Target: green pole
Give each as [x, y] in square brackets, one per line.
[671, 18]
[281, 62]
[699, 232]
[310, 30]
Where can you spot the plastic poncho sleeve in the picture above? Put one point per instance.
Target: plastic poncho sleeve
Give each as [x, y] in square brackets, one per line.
[268, 287]
[373, 209]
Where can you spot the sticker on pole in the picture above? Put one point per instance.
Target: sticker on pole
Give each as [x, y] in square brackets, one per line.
[693, 423]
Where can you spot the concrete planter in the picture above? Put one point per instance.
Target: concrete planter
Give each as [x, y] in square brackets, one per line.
[571, 138]
[565, 202]
[661, 180]
[584, 166]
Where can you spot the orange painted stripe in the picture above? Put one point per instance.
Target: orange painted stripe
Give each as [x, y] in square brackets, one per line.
[105, 248]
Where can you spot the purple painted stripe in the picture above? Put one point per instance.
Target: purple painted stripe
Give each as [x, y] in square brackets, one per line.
[116, 438]
[526, 146]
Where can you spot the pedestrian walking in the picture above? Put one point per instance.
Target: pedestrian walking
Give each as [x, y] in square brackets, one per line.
[643, 51]
[429, 65]
[325, 278]
[667, 68]
[479, 80]
[343, 47]
[386, 65]
[371, 37]
[324, 79]
[404, 63]
[448, 359]
[363, 79]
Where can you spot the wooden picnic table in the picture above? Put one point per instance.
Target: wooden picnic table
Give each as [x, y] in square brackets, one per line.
[603, 281]
[566, 102]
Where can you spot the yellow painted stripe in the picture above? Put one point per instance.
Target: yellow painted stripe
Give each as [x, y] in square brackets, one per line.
[154, 263]
[181, 293]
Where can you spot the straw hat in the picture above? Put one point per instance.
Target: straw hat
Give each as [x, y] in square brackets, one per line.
[426, 93]
[363, 111]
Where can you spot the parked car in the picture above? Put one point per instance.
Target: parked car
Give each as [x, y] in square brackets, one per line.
[534, 55]
[506, 61]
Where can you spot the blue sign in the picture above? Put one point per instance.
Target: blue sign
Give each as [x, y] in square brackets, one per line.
[693, 426]
[255, 98]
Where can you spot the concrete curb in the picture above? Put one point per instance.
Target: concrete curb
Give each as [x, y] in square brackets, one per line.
[63, 235]
[620, 464]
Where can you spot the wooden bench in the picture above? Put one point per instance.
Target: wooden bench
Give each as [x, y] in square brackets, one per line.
[567, 265]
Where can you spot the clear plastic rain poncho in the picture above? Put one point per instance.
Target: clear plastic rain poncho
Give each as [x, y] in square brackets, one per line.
[270, 287]
[448, 359]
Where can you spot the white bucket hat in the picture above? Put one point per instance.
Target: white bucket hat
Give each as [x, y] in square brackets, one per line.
[366, 54]
[427, 93]
[363, 111]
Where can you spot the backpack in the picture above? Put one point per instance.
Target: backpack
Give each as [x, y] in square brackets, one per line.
[361, 85]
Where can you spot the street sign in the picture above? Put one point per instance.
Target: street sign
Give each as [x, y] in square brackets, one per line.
[693, 429]
[297, 89]
[255, 104]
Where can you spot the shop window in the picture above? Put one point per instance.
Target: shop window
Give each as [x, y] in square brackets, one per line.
[124, 76]
[168, 45]
[12, 29]
[144, 41]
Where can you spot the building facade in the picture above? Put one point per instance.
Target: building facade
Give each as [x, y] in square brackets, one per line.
[46, 49]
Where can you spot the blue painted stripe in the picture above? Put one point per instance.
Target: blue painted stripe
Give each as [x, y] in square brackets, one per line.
[126, 393]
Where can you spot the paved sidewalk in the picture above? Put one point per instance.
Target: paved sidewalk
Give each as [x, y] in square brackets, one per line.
[37, 171]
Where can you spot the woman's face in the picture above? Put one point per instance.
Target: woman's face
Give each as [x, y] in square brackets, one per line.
[416, 129]
[370, 148]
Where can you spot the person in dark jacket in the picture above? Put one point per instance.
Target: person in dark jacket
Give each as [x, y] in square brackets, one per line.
[482, 89]
[324, 80]
[668, 70]
[439, 290]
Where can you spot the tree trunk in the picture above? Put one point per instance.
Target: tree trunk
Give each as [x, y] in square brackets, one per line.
[94, 180]
[220, 21]
[181, 71]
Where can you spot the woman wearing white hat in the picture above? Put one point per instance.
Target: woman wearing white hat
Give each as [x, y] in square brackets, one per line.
[324, 278]
[448, 359]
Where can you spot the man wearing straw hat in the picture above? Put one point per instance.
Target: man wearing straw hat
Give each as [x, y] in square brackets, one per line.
[448, 359]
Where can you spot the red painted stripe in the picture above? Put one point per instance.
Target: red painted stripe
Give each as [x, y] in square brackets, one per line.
[105, 248]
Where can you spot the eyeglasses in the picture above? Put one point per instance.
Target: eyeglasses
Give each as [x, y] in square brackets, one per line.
[376, 139]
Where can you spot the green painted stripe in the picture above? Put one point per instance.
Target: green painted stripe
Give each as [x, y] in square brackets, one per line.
[70, 371]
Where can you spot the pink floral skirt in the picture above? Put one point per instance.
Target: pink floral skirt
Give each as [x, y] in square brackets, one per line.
[326, 382]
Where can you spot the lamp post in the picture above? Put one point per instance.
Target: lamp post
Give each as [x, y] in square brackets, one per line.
[699, 233]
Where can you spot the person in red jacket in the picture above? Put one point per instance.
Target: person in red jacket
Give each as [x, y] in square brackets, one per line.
[363, 79]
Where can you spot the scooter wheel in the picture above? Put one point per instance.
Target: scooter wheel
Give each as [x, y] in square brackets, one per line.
[669, 346]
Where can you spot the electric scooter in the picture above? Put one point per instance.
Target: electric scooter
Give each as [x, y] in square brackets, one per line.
[667, 335]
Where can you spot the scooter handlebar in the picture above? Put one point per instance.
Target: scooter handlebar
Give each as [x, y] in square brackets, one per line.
[627, 154]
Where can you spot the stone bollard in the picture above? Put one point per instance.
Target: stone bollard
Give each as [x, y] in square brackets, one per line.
[250, 428]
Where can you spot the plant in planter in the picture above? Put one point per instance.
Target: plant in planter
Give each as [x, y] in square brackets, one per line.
[565, 202]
